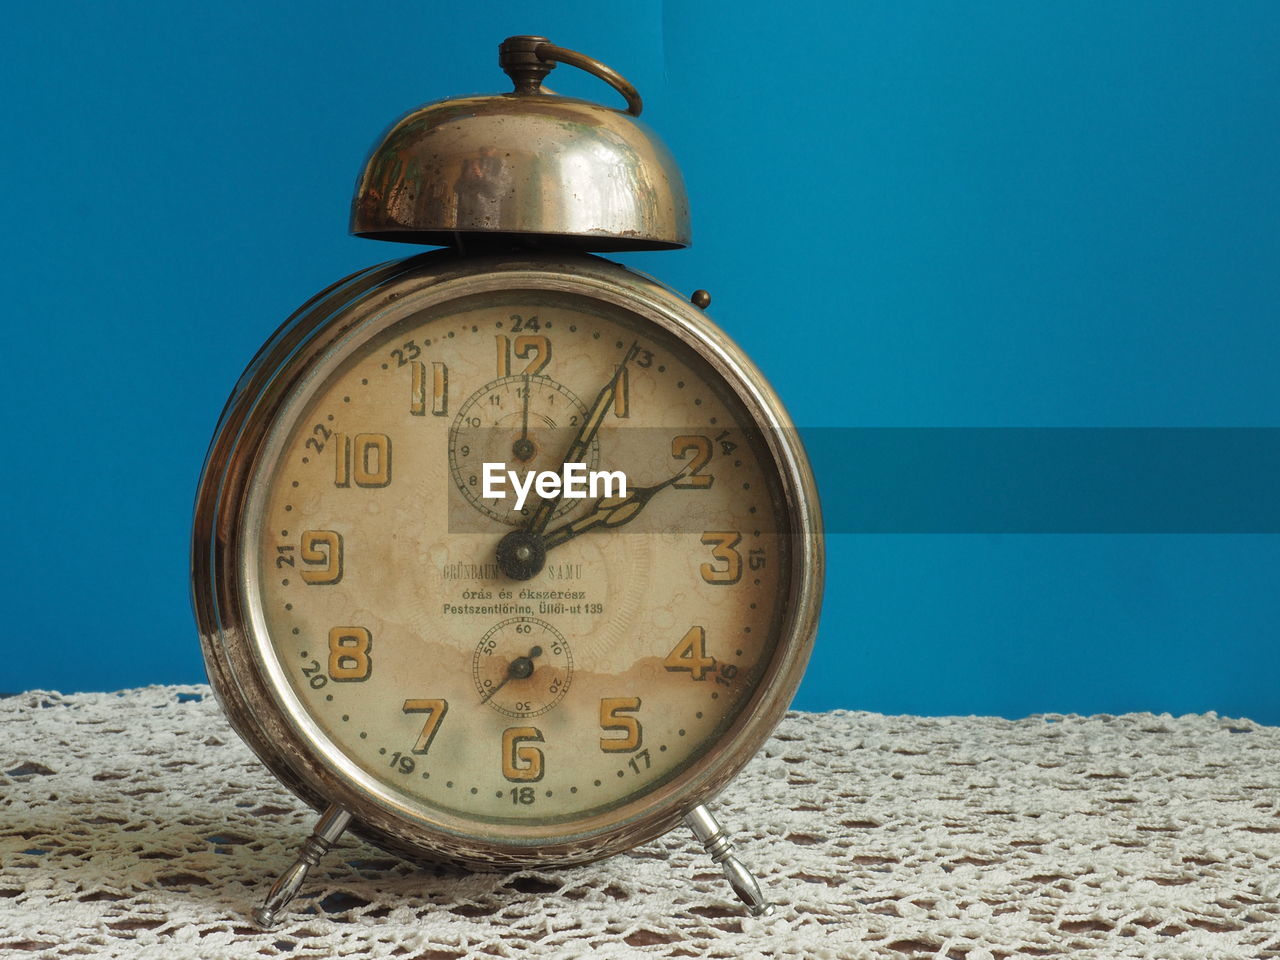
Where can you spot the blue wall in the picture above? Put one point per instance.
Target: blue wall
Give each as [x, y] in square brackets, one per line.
[934, 214]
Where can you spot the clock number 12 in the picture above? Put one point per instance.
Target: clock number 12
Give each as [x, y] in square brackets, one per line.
[532, 347]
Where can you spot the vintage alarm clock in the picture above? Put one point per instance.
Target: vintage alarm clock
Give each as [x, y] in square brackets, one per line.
[455, 672]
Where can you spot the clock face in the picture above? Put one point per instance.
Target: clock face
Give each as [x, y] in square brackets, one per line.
[473, 687]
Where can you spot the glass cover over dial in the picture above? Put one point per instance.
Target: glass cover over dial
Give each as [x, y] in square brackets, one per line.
[619, 636]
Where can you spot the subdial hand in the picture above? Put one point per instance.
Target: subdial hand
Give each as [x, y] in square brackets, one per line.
[523, 449]
[518, 669]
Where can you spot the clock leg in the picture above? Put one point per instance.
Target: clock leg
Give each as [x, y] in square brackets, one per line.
[712, 837]
[328, 829]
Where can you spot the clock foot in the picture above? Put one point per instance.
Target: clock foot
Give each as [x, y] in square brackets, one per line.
[712, 837]
[328, 829]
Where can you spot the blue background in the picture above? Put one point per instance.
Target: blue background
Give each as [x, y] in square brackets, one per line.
[930, 214]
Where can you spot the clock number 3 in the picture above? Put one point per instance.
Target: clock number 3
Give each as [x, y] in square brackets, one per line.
[321, 551]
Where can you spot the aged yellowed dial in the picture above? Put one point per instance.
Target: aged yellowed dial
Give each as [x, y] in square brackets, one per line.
[444, 674]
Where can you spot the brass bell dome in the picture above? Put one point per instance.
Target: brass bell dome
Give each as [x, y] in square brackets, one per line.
[525, 167]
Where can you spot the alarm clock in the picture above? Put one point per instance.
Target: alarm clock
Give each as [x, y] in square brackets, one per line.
[504, 554]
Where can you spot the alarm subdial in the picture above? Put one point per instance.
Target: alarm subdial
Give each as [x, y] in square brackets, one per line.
[522, 667]
[525, 423]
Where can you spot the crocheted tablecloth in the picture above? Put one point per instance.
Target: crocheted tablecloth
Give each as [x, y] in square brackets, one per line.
[137, 825]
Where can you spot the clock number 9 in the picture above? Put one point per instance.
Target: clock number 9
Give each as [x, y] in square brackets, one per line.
[521, 762]
[322, 550]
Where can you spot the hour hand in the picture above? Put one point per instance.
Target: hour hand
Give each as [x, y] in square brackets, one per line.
[608, 512]
[522, 553]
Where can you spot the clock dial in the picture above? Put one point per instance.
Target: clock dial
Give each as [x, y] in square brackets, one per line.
[459, 688]
[522, 667]
[525, 421]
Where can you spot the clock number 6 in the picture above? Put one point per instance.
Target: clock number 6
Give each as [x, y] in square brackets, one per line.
[521, 762]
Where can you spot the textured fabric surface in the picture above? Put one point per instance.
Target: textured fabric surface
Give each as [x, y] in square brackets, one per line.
[137, 825]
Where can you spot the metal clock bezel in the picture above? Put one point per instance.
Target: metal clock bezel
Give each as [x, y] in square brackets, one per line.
[260, 711]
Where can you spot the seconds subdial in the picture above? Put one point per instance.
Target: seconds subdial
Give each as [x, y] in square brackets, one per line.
[522, 667]
[524, 421]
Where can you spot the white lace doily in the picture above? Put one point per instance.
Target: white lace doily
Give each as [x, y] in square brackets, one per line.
[137, 825]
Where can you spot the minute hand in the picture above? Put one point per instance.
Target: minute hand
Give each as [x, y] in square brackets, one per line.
[586, 433]
[611, 513]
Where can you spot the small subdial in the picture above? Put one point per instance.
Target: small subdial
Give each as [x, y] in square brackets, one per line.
[522, 667]
[525, 422]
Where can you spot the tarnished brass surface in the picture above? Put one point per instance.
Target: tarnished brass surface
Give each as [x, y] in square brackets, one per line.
[528, 166]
